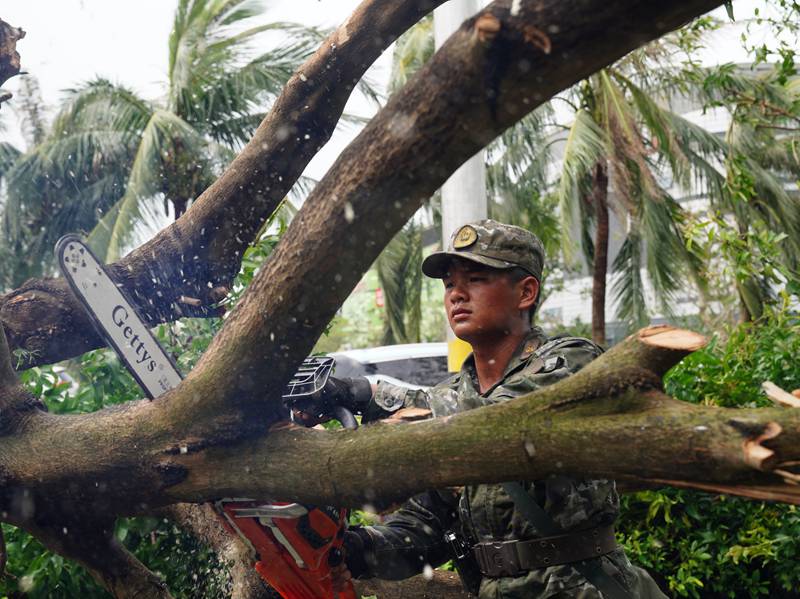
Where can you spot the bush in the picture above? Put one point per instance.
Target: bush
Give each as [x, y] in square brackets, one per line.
[703, 545]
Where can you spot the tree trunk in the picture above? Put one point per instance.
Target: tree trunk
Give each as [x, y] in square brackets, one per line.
[599, 199]
[220, 433]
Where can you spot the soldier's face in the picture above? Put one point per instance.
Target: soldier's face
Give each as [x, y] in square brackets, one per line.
[481, 302]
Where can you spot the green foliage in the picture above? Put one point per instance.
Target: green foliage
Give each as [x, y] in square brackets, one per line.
[704, 545]
[39, 574]
[189, 569]
[399, 269]
[99, 380]
[729, 372]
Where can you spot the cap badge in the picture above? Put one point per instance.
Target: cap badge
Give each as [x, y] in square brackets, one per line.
[465, 237]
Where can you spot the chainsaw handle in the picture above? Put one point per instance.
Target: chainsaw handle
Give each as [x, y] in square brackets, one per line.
[345, 417]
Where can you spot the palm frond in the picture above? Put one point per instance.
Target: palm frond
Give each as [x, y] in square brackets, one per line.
[667, 257]
[656, 119]
[8, 156]
[524, 205]
[62, 186]
[165, 135]
[705, 153]
[522, 152]
[627, 155]
[101, 104]
[221, 95]
[585, 145]
[412, 50]
[400, 275]
[628, 286]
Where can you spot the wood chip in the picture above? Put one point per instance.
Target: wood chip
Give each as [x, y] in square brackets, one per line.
[408, 415]
[190, 301]
[788, 477]
[669, 337]
[779, 396]
[487, 27]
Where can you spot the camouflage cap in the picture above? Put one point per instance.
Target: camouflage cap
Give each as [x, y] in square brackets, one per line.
[491, 243]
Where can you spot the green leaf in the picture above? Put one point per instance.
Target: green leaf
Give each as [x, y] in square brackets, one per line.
[729, 9]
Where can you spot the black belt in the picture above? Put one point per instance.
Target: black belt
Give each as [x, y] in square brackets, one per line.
[511, 558]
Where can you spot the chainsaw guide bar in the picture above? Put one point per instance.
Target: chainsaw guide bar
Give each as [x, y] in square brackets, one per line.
[116, 318]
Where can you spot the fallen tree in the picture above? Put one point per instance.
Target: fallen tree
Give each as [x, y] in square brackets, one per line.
[66, 478]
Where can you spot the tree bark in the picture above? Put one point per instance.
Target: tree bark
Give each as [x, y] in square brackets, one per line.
[217, 434]
[599, 199]
[9, 57]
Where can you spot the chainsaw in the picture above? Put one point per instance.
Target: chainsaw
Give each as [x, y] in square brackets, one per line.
[294, 546]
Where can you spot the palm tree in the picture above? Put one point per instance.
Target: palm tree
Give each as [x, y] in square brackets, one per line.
[111, 153]
[620, 132]
[753, 191]
[9, 155]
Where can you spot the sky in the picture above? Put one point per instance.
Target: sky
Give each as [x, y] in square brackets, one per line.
[70, 41]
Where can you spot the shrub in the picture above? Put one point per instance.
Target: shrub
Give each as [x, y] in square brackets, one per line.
[703, 545]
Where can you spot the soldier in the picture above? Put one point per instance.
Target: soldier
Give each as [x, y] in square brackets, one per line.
[545, 538]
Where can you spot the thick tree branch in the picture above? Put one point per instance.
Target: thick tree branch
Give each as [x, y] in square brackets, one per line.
[16, 404]
[94, 547]
[201, 252]
[614, 403]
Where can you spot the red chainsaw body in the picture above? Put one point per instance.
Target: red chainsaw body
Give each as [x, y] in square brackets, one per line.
[295, 545]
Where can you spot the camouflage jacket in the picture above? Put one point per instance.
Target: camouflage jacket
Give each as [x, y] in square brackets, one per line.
[413, 536]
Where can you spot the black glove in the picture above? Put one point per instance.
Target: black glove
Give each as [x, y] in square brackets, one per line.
[353, 394]
[356, 552]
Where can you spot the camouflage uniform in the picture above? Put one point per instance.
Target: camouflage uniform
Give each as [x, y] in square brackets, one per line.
[414, 535]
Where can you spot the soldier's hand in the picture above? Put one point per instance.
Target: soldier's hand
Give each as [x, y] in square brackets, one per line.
[340, 577]
[353, 394]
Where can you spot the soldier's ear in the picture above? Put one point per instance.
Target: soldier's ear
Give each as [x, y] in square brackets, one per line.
[528, 292]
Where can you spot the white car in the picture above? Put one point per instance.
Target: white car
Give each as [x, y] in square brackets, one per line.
[413, 365]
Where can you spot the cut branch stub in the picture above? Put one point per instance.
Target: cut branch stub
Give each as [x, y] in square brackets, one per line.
[779, 396]
[756, 454]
